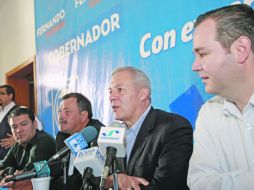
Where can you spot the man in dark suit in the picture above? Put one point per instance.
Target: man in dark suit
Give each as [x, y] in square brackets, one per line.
[75, 113]
[7, 104]
[159, 144]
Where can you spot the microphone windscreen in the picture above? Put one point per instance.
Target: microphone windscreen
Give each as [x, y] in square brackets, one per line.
[91, 158]
[113, 137]
[89, 133]
[80, 141]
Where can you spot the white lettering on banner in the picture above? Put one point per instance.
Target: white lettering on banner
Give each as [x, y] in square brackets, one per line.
[159, 43]
[79, 2]
[154, 45]
[52, 22]
[91, 3]
[107, 26]
[187, 31]
[164, 42]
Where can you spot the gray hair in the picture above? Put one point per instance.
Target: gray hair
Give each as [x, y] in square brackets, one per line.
[140, 78]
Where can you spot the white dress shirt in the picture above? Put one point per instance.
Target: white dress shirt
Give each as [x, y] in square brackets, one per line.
[223, 155]
[5, 110]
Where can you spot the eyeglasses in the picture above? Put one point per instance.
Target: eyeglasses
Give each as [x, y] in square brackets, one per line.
[3, 93]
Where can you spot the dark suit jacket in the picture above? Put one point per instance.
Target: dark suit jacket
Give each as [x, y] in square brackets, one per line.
[4, 130]
[162, 151]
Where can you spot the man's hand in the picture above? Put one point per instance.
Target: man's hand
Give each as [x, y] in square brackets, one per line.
[131, 182]
[24, 184]
[8, 184]
[127, 182]
[7, 142]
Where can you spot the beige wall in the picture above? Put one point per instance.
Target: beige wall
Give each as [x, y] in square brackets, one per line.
[17, 39]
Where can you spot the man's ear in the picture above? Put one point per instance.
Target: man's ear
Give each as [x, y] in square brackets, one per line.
[241, 48]
[11, 96]
[84, 115]
[35, 124]
[144, 94]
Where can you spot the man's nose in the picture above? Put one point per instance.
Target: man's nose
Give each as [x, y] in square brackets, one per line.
[18, 129]
[197, 66]
[112, 96]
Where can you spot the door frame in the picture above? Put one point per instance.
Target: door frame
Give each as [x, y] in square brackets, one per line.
[23, 79]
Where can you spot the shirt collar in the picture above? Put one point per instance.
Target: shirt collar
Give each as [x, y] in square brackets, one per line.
[8, 107]
[252, 100]
[231, 109]
[135, 128]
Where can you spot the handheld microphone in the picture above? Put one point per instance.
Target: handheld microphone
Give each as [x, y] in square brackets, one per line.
[22, 176]
[41, 169]
[91, 158]
[76, 142]
[111, 141]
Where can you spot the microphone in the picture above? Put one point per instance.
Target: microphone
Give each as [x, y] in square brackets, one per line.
[91, 158]
[22, 176]
[76, 142]
[41, 169]
[111, 141]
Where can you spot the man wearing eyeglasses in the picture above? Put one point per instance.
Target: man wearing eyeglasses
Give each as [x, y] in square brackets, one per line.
[7, 104]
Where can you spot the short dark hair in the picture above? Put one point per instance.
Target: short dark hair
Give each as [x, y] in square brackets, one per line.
[22, 111]
[232, 22]
[9, 90]
[83, 102]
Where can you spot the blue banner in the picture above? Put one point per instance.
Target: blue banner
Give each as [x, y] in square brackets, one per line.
[80, 42]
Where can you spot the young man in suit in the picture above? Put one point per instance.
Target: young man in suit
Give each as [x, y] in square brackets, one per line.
[159, 144]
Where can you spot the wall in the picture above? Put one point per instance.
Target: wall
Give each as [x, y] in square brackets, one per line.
[17, 39]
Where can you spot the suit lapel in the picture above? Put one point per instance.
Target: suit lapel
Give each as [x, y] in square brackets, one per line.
[141, 140]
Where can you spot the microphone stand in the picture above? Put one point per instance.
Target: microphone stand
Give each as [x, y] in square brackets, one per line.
[64, 161]
[87, 176]
[115, 175]
[110, 158]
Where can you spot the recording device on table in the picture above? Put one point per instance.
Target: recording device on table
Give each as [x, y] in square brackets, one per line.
[111, 142]
[75, 143]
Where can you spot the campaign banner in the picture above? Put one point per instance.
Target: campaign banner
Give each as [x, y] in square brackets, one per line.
[80, 42]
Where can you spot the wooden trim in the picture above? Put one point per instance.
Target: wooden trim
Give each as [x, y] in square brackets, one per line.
[20, 67]
[35, 85]
[19, 78]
